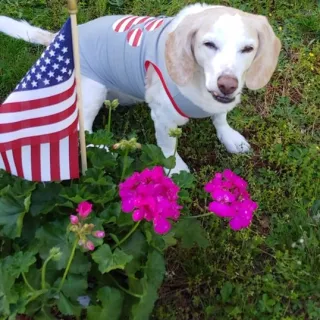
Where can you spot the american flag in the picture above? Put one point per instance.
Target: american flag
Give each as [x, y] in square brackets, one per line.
[39, 119]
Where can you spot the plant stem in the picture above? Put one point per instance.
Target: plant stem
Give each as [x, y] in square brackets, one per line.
[174, 154]
[27, 282]
[124, 164]
[69, 263]
[123, 289]
[109, 119]
[200, 215]
[127, 235]
[43, 273]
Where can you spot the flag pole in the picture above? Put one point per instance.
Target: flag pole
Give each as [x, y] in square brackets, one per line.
[72, 8]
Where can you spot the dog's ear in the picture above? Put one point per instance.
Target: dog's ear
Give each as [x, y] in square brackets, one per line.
[179, 56]
[266, 59]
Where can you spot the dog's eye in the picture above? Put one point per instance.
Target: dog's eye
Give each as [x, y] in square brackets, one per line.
[211, 45]
[247, 49]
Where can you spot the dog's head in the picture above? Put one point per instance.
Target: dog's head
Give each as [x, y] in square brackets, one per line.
[230, 47]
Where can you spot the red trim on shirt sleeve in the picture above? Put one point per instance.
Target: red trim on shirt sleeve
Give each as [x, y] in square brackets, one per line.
[147, 64]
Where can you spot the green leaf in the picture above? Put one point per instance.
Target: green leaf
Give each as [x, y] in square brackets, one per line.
[143, 309]
[112, 300]
[184, 180]
[12, 212]
[66, 307]
[10, 269]
[100, 137]
[226, 291]
[170, 162]
[74, 286]
[111, 212]
[46, 197]
[108, 260]
[155, 268]
[191, 232]
[54, 235]
[136, 246]
[80, 264]
[95, 177]
[102, 159]
[152, 155]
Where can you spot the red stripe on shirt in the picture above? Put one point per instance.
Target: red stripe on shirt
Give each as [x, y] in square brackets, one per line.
[147, 64]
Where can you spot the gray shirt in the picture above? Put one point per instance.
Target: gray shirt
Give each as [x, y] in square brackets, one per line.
[117, 50]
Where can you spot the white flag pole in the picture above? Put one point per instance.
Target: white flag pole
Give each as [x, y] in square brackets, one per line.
[72, 7]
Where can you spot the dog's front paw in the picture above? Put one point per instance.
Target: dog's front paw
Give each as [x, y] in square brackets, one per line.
[233, 140]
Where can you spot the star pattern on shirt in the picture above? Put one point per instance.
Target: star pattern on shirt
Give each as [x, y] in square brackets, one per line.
[53, 67]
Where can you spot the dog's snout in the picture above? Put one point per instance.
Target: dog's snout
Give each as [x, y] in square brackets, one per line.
[227, 84]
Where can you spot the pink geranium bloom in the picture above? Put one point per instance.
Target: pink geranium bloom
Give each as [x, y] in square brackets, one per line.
[99, 234]
[231, 199]
[151, 196]
[74, 219]
[84, 209]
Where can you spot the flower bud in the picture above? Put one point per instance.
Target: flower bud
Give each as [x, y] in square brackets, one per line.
[74, 228]
[55, 253]
[84, 209]
[99, 234]
[90, 245]
[74, 219]
[175, 133]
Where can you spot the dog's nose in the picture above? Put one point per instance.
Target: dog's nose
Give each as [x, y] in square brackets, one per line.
[227, 84]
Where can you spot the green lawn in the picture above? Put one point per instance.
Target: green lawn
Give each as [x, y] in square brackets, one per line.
[271, 271]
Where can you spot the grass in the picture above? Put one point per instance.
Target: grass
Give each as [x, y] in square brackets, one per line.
[272, 270]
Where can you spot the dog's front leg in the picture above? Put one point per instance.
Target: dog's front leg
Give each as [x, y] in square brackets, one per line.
[230, 138]
[163, 123]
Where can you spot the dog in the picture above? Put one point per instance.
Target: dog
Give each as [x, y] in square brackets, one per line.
[193, 65]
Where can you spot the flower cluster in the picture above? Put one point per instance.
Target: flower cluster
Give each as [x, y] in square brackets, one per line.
[152, 196]
[83, 229]
[231, 199]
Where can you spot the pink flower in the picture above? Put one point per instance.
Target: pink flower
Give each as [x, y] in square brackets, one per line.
[84, 209]
[90, 245]
[231, 199]
[74, 219]
[99, 234]
[151, 196]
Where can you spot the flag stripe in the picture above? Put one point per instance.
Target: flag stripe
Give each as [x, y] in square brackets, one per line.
[5, 161]
[73, 161]
[55, 160]
[35, 162]
[36, 122]
[45, 161]
[23, 106]
[40, 139]
[26, 162]
[64, 154]
[10, 159]
[17, 157]
[2, 166]
[38, 131]
[38, 94]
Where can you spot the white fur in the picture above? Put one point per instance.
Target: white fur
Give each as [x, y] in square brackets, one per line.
[228, 33]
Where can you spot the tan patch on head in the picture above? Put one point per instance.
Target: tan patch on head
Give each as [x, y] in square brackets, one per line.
[179, 57]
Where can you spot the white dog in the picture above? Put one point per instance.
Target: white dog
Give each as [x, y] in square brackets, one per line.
[209, 54]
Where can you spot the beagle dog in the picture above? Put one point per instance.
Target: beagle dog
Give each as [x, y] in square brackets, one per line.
[193, 65]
